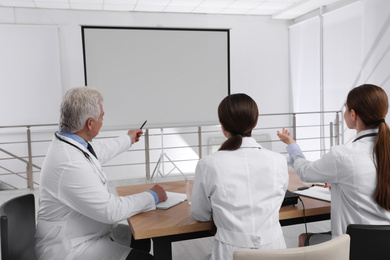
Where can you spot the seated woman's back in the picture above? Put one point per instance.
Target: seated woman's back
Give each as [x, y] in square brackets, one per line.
[246, 187]
[242, 186]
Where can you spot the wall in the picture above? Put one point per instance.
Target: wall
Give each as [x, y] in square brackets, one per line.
[355, 50]
[29, 56]
[259, 45]
[258, 56]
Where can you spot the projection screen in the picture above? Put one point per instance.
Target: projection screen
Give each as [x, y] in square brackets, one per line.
[170, 77]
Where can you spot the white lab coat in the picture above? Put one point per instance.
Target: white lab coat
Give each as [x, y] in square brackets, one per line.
[242, 191]
[351, 171]
[77, 212]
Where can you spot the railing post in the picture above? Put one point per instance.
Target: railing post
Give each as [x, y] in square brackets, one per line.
[337, 129]
[30, 181]
[331, 133]
[147, 154]
[200, 141]
[294, 126]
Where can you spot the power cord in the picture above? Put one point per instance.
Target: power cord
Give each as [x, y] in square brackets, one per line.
[304, 216]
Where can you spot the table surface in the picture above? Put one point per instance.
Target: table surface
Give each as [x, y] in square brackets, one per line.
[178, 219]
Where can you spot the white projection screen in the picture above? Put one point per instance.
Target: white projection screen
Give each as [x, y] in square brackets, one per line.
[170, 77]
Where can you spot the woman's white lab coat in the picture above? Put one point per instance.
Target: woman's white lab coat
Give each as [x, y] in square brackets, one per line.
[77, 212]
[242, 191]
[351, 171]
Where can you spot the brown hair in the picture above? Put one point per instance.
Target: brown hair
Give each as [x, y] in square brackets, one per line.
[238, 114]
[370, 103]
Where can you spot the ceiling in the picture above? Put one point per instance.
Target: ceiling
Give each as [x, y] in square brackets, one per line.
[277, 9]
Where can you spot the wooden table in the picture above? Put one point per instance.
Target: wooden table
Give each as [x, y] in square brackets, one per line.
[176, 223]
[315, 210]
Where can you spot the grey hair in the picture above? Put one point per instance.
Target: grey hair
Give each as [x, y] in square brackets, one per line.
[78, 105]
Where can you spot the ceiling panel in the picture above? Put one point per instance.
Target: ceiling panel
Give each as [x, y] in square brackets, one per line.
[17, 3]
[278, 9]
[215, 4]
[118, 7]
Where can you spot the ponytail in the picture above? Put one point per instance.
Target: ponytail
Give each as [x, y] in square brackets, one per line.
[234, 142]
[382, 163]
[231, 144]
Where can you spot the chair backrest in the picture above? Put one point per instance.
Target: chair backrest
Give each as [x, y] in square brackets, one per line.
[17, 228]
[335, 249]
[369, 241]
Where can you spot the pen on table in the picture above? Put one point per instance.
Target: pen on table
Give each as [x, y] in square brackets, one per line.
[143, 124]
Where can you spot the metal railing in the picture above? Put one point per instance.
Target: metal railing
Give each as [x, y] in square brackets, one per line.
[333, 136]
[28, 161]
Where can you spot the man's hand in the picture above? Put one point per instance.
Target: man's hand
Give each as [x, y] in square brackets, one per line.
[135, 135]
[162, 195]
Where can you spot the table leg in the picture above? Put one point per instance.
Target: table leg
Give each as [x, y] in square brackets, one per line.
[162, 248]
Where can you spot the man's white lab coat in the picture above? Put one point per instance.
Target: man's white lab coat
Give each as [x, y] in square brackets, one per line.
[76, 211]
[242, 191]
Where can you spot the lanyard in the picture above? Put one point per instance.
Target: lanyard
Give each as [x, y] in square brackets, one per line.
[367, 135]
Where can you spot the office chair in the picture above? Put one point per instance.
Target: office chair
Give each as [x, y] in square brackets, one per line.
[369, 241]
[17, 228]
[335, 249]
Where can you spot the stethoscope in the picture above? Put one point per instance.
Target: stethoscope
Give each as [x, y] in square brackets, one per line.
[101, 176]
[65, 141]
[363, 136]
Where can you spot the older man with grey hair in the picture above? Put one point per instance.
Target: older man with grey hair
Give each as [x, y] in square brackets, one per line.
[78, 217]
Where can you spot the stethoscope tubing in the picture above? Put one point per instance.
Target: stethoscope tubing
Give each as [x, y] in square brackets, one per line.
[101, 174]
[65, 141]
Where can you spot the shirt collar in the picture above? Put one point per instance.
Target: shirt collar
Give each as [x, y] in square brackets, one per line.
[367, 131]
[74, 137]
[250, 142]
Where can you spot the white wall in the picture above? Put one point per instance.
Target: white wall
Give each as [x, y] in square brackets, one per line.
[259, 45]
[29, 57]
[356, 50]
[376, 43]
[343, 53]
[258, 61]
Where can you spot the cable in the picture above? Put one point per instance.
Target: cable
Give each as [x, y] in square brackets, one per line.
[304, 216]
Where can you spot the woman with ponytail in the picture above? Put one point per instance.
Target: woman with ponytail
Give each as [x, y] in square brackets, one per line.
[241, 186]
[359, 171]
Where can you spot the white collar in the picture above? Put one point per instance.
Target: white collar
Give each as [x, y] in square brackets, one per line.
[249, 142]
[367, 131]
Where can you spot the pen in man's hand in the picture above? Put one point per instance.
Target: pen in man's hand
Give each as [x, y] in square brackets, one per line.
[143, 124]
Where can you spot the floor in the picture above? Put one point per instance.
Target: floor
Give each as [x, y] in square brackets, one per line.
[191, 249]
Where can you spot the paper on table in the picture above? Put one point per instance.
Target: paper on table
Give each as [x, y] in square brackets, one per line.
[315, 192]
[174, 198]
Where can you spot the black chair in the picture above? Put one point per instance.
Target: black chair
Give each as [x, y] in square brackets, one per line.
[17, 228]
[369, 242]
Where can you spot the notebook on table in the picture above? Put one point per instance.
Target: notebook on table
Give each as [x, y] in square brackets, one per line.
[315, 192]
[174, 198]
